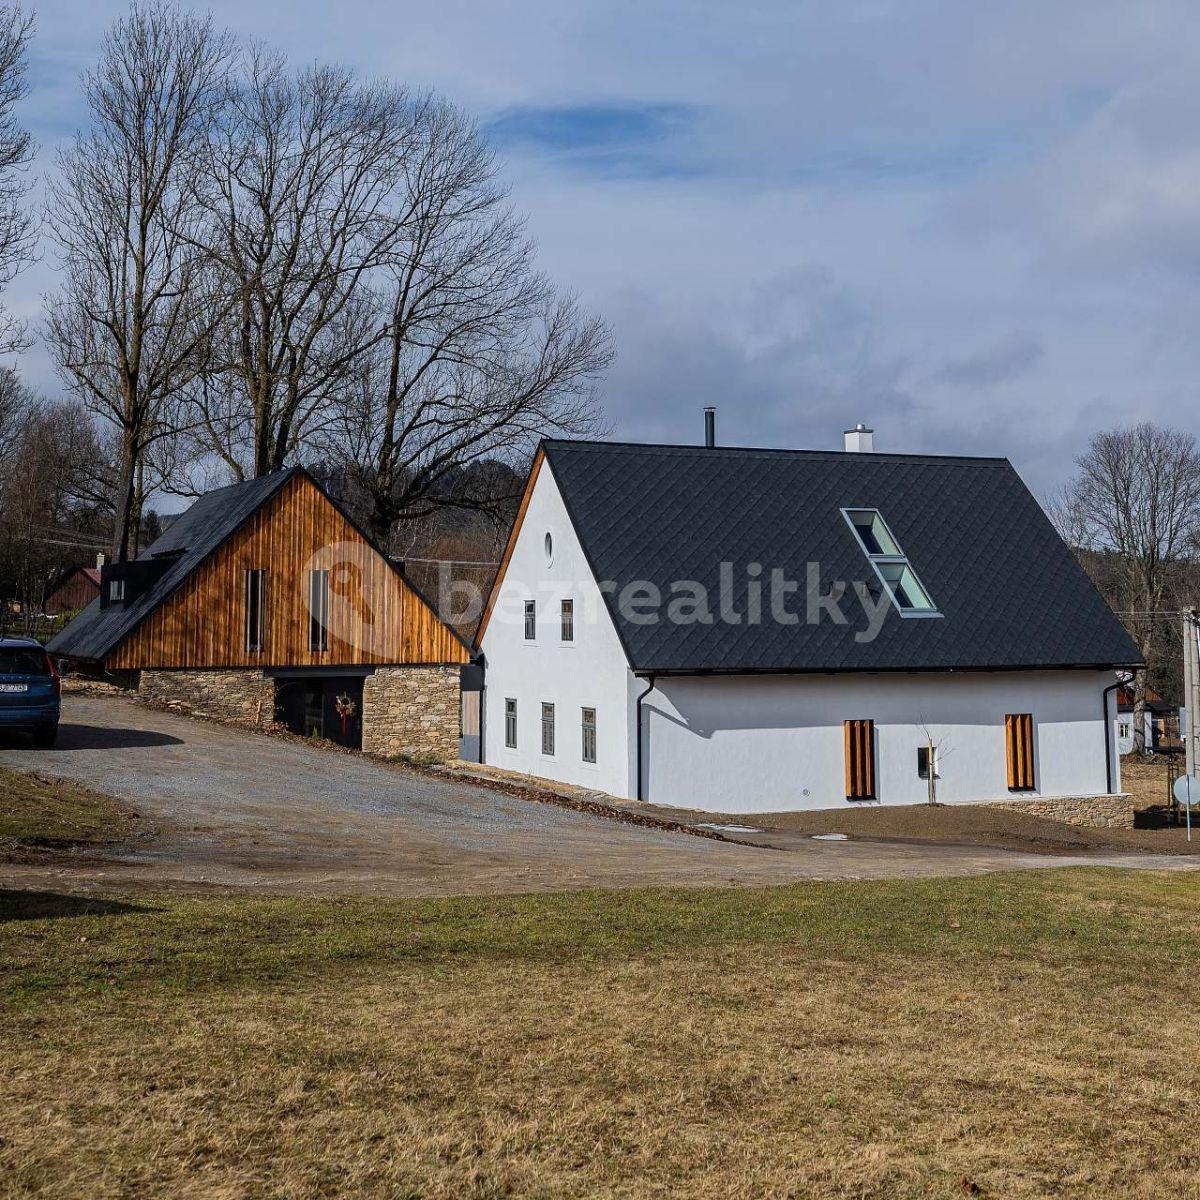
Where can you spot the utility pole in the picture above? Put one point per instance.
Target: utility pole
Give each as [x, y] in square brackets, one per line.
[1191, 690]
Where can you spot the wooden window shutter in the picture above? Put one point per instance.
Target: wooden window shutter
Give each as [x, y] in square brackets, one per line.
[860, 760]
[1018, 735]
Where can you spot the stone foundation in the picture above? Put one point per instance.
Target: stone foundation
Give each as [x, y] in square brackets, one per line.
[241, 696]
[412, 712]
[1106, 812]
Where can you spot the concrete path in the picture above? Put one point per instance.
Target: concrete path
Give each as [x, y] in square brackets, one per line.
[238, 811]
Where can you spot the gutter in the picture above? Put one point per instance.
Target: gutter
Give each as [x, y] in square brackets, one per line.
[1108, 736]
[649, 689]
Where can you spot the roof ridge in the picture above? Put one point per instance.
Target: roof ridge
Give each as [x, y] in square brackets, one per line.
[782, 451]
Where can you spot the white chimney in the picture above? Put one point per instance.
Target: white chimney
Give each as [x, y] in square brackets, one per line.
[860, 439]
[101, 559]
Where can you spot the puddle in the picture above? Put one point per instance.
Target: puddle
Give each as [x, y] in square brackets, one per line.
[727, 828]
[830, 837]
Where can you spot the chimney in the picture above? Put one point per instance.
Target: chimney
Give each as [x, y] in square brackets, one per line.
[860, 439]
[101, 559]
[710, 426]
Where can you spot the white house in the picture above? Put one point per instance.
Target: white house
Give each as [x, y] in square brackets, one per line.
[745, 630]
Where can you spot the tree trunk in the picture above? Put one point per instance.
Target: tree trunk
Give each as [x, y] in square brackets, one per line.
[1139, 711]
[125, 500]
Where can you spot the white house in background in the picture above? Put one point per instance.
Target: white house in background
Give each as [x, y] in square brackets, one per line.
[642, 639]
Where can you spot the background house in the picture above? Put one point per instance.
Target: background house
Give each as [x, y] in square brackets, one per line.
[263, 602]
[993, 645]
[73, 590]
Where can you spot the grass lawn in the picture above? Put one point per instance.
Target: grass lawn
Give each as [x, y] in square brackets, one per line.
[1015, 1035]
[55, 811]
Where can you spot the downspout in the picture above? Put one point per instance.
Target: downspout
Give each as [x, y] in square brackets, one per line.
[639, 734]
[1108, 736]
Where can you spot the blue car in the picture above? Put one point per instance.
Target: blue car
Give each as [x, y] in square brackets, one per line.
[29, 690]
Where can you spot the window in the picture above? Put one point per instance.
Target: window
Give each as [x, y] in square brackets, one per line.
[530, 620]
[568, 620]
[589, 735]
[1018, 736]
[256, 585]
[116, 589]
[318, 610]
[890, 564]
[860, 760]
[547, 728]
[924, 754]
[510, 724]
[548, 544]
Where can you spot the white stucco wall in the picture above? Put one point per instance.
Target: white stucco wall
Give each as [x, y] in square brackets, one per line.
[589, 672]
[761, 743]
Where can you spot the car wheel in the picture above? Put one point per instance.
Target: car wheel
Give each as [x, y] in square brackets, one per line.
[47, 735]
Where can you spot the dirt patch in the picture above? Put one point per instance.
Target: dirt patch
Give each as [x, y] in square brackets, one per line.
[38, 813]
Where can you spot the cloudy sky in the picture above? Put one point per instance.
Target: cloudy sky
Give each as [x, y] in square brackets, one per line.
[975, 227]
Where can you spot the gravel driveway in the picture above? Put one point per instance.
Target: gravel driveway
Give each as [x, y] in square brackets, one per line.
[238, 811]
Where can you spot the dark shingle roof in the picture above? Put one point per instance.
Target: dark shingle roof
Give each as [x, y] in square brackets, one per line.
[1010, 590]
[192, 536]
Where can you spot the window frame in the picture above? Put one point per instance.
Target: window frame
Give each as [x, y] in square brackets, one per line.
[862, 773]
[254, 599]
[586, 728]
[930, 756]
[531, 620]
[899, 559]
[566, 616]
[116, 591]
[548, 727]
[510, 723]
[318, 610]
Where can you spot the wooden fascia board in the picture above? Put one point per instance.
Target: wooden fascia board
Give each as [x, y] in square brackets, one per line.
[510, 545]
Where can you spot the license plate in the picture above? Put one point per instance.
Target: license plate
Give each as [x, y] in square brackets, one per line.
[14, 687]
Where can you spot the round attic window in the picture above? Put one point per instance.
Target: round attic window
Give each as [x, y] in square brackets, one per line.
[549, 544]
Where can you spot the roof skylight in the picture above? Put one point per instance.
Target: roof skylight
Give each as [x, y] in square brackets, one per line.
[890, 563]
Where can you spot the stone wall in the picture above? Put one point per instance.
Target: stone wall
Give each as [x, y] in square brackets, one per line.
[1113, 812]
[242, 696]
[412, 712]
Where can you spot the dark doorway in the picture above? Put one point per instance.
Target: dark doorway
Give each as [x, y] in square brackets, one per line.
[327, 707]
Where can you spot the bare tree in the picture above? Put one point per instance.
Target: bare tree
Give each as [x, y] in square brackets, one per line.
[16, 402]
[1136, 500]
[479, 356]
[131, 327]
[17, 226]
[303, 165]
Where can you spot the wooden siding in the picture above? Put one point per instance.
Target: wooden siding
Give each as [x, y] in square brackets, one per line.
[374, 616]
[75, 592]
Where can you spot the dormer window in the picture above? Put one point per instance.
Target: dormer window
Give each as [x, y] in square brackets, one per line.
[890, 563]
[116, 591]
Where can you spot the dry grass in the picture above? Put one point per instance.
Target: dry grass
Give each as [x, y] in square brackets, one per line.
[1009, 1036]
[40, 811]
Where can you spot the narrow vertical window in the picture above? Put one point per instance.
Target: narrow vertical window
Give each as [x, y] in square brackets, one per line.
[116, 589]
[256, 587]
[568, 620]
[510, 724]
[318, 610]
[589, 735]
[547, 728]
[1018, 737]
[860, 760]
[530, 620]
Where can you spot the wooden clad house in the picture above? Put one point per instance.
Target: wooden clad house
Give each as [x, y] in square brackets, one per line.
[72, 591]
[265, 601]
